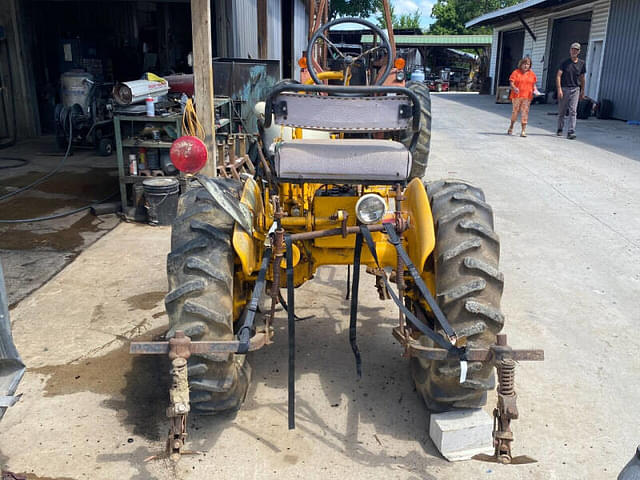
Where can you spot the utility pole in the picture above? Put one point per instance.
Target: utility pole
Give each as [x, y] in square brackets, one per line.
[203, 78]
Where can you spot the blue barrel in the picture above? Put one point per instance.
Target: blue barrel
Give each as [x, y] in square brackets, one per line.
[161, 199]
[417, 76]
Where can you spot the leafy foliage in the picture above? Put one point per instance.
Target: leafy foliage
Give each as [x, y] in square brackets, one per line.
[406, 20]
[366, 8]
[352, 8]
[451, 15]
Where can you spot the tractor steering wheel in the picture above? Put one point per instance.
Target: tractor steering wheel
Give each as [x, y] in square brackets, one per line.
[348, 60]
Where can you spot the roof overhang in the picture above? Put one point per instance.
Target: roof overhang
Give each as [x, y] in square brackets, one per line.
[521, 10]
[451, 41]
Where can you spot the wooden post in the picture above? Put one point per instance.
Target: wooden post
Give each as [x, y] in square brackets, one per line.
[203, 77]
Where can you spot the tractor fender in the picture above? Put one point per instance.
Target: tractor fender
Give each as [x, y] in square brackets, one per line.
[247, 244]
[421, 237]
[238, 211]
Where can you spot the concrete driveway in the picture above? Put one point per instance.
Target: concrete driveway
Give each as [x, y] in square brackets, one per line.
[32, 252]
[566, 212]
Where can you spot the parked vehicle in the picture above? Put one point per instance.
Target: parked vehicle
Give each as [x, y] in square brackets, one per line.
[458, 78]
[354, 197]
[438, 82]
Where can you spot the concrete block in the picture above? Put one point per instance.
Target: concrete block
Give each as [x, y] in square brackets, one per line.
[461, 434]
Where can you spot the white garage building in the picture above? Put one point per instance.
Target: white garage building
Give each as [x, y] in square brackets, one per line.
[608, 31]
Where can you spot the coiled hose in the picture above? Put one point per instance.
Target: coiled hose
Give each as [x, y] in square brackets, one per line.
[44, 178]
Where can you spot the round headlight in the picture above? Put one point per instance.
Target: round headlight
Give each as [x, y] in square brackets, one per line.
[370, 208]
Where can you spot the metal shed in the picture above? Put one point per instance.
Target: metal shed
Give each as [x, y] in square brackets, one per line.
[620, 70]
[534, 28]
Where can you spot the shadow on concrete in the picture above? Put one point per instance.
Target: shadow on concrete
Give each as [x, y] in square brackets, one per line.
[33, 252]
[614, 136]
[384, 397]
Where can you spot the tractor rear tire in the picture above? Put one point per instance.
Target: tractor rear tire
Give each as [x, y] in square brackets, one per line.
[200, 269]
[421, 154]
[468, 290]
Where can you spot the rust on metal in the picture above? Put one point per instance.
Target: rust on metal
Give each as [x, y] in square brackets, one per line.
[345, 217]
[179, 346]
[400, 264]
[505, 411]
[278, 249]
[296, 237]
[178, 405]
[473, 354]
[158, 348]
[504, 359]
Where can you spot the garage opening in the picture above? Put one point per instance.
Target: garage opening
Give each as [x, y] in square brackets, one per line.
[566, 31]
[111, 40]
[511, 45]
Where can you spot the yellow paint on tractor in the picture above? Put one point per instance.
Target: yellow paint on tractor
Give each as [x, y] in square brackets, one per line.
[308, 209]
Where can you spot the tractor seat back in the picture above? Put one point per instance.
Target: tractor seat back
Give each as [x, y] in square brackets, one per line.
[359, 161]
[342, 113]
[353, 109]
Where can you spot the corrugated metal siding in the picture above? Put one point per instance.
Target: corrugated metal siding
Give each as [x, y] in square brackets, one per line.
[539, 49]
[494, 56]
[620, 69]
[274, 31]
[300, 32]
[599, 20]
[245, 28]
[453, 41]
[527, 48]
[222, 25]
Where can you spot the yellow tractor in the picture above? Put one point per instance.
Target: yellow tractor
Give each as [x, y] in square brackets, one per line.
[340, 184]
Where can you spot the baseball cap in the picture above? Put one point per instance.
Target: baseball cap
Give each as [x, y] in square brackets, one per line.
[575, 45]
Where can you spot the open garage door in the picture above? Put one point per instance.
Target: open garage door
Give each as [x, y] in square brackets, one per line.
[511, 47]
[567, 30]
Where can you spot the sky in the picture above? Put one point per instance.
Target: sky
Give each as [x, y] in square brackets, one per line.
[402, 7]
[409, 6]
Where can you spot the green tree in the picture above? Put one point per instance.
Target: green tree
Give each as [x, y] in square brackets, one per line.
[451, 15]
[408, 20]
[352, 8]
[367, 8]
[405, 20]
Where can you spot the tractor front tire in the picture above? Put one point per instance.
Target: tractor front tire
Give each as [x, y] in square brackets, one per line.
[468, 290]
[420, 156]
[200, 269]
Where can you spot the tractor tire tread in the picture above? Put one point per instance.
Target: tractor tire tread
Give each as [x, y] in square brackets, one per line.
[469, 287]
[420, 156]
[200, 270]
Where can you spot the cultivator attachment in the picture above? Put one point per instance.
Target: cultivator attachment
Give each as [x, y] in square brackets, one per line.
[504, 359]
[449, 346]
[179, 349]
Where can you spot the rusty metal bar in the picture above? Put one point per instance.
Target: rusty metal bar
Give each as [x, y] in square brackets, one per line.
[415, 349]
[162, 348]
[335, 231]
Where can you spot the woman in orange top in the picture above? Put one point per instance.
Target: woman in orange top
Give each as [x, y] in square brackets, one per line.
[523, 86]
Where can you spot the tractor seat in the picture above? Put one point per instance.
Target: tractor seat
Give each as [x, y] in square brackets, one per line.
[361, 161]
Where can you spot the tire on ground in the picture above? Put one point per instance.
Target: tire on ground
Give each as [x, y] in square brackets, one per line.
[468, 290]
[200, 299]
[421, 154]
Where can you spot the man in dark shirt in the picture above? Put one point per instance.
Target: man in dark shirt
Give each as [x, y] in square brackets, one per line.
[570, 86]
